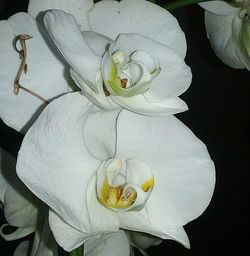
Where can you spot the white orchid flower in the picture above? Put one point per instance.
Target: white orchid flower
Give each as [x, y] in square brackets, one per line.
[24, 211]
[228, 29]
[150, 68]
[132, 57]
[32, 71]
[103, 171]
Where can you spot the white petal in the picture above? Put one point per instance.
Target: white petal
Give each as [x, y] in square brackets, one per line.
[218, 7]
[78, 8]
[141, 105]
[22, 249]
[7, 172]
[45, 75]
[143, 240]
[137, 16]
[102, 219]
[61, 166]
[73, 47]
[182, 169]
[96, 96]
[138, 172]
[21, 207]
[44, 243]
[219, 32]
[139, 221]
[106, 245]
[68, 237]
[101, 140]
[17, 234]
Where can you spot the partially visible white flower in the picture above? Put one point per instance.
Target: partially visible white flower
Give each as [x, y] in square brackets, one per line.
[21, 207]
[132, 57]
[143, 241]
[78, 8]
[102, 171]
[25, 212]
[228, 29]
[43, 243]
[45, 75]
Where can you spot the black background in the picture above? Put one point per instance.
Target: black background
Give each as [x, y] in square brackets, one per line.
[219, 104]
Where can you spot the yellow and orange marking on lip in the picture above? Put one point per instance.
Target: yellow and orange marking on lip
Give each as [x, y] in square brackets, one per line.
[122, 196]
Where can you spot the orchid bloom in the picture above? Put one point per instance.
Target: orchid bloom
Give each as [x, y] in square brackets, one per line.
[228, 29]
[32, 71]
[23, 210]
[137, 63]
[132, 57]
[103, 171]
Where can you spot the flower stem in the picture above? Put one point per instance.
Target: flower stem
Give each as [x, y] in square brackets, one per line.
[77, 252]
[181, 3]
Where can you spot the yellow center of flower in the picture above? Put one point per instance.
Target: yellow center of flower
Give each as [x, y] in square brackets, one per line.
[128, 75]
[122, 196]
[124, 185]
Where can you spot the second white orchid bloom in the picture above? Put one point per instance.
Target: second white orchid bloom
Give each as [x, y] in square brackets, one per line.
[128, 58]
[100, 171]
[228, 29]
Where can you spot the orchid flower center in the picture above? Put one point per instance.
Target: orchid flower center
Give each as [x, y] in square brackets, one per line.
[128, 74]
[121, 188]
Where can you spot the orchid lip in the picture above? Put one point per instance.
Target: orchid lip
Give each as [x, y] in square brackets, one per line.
[128, 75]
[119, 189]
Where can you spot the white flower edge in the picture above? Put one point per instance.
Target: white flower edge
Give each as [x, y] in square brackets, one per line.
[191, 177]
[218, 7]
[78, 8]
[21, 207]
[145, 18]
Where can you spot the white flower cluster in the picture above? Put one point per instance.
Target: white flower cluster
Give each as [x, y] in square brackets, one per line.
[94, 88]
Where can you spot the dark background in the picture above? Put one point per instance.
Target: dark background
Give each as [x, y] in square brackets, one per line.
[219, 104]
